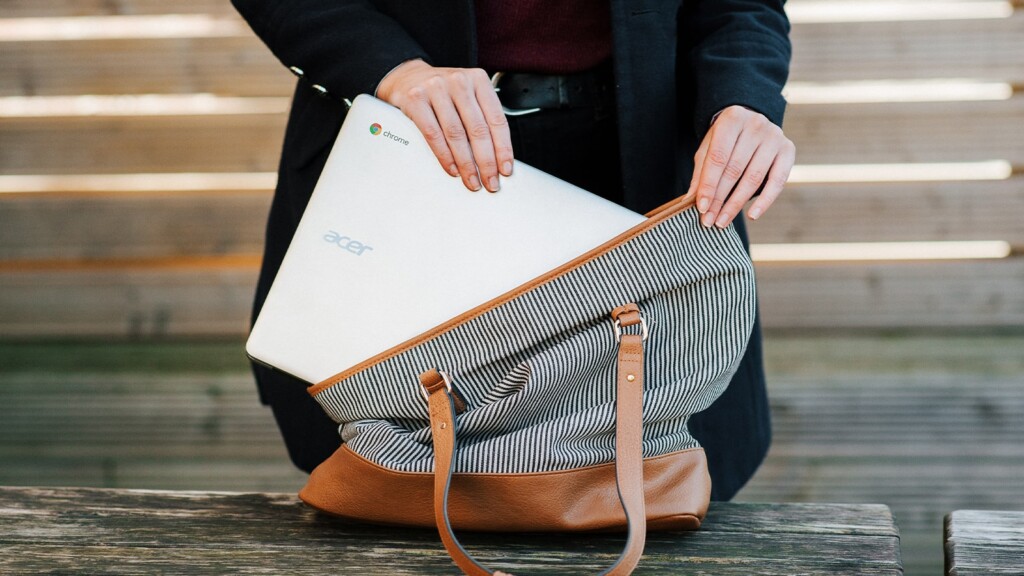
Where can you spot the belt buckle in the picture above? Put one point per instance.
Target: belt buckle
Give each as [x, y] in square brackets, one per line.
[495, 79]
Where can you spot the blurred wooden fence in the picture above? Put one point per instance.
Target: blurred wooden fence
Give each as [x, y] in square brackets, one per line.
[139, 210]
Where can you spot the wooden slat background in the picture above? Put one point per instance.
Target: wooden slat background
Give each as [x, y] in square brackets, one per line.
[50, 229]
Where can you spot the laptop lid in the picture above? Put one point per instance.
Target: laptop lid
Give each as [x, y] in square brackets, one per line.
[390, 246]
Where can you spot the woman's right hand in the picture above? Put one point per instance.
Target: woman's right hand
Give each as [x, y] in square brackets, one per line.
[460, 115]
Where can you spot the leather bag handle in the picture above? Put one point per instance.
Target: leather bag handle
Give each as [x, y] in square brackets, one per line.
[628, 449]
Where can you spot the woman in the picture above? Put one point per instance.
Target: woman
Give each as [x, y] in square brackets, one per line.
[637, 101]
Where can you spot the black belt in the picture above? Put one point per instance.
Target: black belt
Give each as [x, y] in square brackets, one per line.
[523, 92]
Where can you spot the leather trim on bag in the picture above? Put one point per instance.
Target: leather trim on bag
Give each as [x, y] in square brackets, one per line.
[676, 489]
[654, 217]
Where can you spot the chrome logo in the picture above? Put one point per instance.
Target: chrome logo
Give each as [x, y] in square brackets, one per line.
[374, 129]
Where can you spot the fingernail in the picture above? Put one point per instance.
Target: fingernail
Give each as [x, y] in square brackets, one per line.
[708, 220]
[506, 168]
[754, 213]
[474, 183]
[723, 220]
[703, 204]
[453, 170]
[492, 184]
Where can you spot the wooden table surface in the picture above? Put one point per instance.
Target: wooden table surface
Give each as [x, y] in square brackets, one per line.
[93, 531]
[984, 542]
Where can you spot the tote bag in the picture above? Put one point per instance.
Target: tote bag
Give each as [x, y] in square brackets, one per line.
[559, 406]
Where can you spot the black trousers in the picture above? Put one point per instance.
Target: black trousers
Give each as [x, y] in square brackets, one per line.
[581, 147]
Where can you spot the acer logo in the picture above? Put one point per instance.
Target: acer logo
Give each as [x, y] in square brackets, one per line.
[345, 243]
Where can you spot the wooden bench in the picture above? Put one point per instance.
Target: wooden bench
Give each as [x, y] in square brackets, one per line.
[984, 542]
[79, 530]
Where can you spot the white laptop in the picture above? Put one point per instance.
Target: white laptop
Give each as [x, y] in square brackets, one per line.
[391, 246]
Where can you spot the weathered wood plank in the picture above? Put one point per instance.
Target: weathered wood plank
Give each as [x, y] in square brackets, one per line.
[239, 65]
[227, 143]
[893, 295]
[132, 302]
[61, 8]
[984, 542]
[250, 533]
[984, 49]
[890, 212]
[172, 416]
[54, 359]
[908, 132]
[144, 225]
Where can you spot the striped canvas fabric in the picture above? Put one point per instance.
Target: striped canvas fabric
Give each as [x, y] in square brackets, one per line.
[538, 371]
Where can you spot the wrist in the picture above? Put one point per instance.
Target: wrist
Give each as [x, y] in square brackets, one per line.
[719, 113]
[386, 84]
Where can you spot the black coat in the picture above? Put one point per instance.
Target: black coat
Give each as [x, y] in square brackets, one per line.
[676, 63]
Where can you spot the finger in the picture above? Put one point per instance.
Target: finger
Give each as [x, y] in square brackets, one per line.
[495, 117]
[753, 177]
[698, 163]
[777, 178]
[739, 162]
[723, 140]
[454, 132]
[417, 107]
[464, 95]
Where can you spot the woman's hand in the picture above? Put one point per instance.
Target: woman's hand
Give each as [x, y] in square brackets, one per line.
[742, 150]
[458, 112]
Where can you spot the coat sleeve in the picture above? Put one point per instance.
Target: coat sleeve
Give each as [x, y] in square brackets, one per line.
[345, 46]
[739, 51]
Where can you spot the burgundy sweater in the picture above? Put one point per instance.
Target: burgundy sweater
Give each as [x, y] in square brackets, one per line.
[546, 36]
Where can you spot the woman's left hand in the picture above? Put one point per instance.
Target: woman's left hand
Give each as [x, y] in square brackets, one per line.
[741, 151]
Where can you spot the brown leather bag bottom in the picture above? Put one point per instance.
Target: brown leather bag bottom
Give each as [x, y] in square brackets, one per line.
[676, 488]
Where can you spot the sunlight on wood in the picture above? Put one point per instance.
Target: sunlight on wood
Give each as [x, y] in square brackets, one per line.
[127, 183]
[919, 172]
[881, 91]
[114, 27]
[138, 105]
[885, 11]
[874, 251]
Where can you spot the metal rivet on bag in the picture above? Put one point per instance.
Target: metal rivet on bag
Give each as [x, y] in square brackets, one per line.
[443, 425]
[630, 377]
